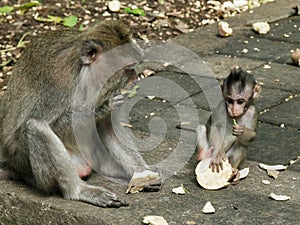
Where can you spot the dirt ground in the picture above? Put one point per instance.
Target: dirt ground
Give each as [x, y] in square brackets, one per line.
[155, 20]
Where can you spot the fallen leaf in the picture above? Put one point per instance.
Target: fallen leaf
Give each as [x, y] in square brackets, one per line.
[49, 19]
[133, 91]
[70, 21]
[182, 27]
[136, 11]
[6, 9]
[29, 5]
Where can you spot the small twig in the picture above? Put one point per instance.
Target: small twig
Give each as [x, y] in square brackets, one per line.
[21, 44]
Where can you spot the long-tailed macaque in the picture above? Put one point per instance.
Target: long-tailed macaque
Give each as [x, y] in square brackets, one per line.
[239, 90]
[36, 136]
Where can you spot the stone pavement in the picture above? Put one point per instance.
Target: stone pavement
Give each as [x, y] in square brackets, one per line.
[277, 142]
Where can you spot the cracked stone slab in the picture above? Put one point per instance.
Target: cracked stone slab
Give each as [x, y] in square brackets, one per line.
[279, 76]
[285, 30]
[287, 113]
[172, 117]
[255, 47]
[221, 64]
[275, 145]
[234, 205]
[270, 97]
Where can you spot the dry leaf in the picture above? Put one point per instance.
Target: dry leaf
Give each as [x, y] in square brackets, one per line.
[183, 27]
[208, 208]
[279, 197]
[155, 220]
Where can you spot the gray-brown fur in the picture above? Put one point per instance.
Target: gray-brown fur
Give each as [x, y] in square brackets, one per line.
[239, 90]
[35, 113]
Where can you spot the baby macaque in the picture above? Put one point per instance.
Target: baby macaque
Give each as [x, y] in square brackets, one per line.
[239, 90]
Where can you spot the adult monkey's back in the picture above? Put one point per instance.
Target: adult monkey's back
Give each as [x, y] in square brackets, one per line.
[36, 136]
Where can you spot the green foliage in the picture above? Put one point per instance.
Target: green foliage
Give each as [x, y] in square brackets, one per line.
[136, 11]
[6, 9]
[81, 27]
[49, 19]
[70, 21]
[133, 91]
[23, 8]
[29, 5]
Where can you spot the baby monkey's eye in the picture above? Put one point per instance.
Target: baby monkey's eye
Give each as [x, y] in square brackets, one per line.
[240, 101]
[229, 101]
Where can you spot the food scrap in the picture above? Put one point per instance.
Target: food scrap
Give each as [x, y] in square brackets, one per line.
[154, 220]
[213, 180]
[261, 27]
[279, 197]
[208, 208]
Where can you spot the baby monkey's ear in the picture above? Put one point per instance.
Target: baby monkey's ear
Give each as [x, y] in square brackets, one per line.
[256, 90]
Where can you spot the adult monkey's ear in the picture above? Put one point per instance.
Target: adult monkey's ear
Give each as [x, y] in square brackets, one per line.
[90, 51]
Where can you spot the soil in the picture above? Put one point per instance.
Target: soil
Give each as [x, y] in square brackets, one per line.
[163, 19]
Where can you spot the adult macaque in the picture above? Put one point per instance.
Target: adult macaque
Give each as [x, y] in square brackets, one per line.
[36, 136]
[239, 90]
